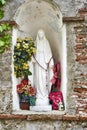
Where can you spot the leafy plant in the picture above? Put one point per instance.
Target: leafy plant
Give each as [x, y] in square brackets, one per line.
[5, 38]
[2, 3]
[5, 27]
[23, 52]
[1, 14]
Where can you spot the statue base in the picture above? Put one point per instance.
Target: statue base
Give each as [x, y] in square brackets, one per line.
[41, 108]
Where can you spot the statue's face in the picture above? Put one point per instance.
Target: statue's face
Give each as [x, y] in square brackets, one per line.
[41, 34]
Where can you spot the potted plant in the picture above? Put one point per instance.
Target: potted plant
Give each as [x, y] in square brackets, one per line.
[26, 94]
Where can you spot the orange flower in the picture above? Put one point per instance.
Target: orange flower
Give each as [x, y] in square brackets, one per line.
[31, 91]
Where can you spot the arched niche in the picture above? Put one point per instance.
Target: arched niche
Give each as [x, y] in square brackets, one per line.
[42, 14]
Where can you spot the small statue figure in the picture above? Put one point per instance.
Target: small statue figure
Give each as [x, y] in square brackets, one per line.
[61, 107]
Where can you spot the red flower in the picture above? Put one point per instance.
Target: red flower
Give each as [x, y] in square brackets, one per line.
[20, 88]
[24, 81]
[24, 88]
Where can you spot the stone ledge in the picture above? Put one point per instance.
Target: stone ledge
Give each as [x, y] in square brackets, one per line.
[42, 117]
[71, 117]
[65, 19]
[45, 117]
[73, 19]
[13, 23]
[11, 116]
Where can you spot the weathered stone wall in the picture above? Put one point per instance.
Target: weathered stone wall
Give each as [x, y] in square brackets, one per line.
[77, 65]
[36, 125]
[68, 7]
[5, 82]
[76, 71]
[80, 78]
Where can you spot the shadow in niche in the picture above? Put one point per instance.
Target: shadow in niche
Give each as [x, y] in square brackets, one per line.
[32, 16]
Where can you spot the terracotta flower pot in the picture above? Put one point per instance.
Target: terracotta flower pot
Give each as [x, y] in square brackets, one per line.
[24, 105]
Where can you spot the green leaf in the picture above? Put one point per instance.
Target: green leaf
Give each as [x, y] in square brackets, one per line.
[1, 29]
[2, 43]
[4, 26]
[2, 2]
[7, 37]
[1, 14]
[8, 27]
[2, 50]
[29, 73]
[7, 44]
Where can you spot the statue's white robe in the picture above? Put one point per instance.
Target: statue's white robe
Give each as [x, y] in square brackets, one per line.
[42, 77]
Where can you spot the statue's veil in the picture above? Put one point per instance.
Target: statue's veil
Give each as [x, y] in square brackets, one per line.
[37, 38]
[47, 49]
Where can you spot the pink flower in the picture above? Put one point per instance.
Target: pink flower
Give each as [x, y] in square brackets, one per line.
[56, 98]
[56, 79]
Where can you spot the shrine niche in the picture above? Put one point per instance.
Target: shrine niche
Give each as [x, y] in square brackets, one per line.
[41, 19]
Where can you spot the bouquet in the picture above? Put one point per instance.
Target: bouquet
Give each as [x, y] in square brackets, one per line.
[23, 52]
[25, 91]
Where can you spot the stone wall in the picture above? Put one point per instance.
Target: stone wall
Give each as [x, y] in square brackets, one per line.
[80, 79]
[76, 114]
[68, 7]
[5, 82]
[22, 125]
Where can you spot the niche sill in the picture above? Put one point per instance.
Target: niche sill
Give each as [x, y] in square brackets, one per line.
[27, 112]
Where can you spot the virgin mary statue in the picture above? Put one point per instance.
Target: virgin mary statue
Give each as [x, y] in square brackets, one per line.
[43, 69]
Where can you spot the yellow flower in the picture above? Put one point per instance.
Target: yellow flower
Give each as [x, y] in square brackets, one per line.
[14, 73]
[25, 66]
[15, 67]
[28, 50]
[14, 56]
[18, 45]
[19, 40]
[34, 50]
[25, 45]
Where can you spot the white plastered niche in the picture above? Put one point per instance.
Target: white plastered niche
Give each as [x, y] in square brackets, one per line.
[45, 14]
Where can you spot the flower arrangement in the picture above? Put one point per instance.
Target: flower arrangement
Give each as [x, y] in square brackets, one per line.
[26, 92]
[23, 52]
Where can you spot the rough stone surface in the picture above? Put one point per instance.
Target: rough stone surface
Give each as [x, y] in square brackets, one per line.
[5, 82]
[22, 125]
[68, 7]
